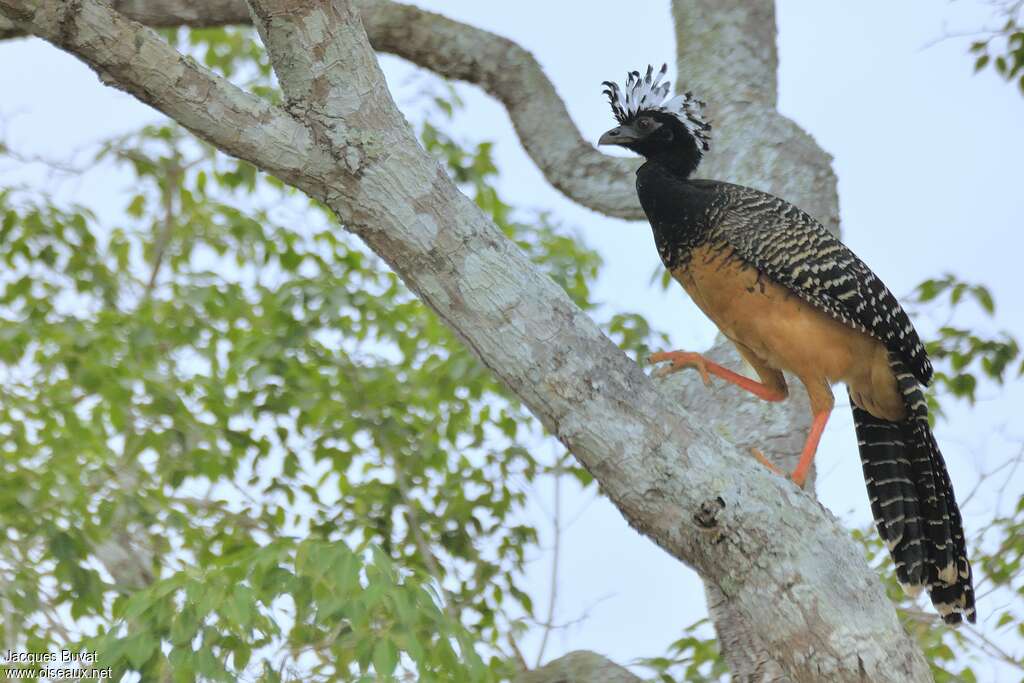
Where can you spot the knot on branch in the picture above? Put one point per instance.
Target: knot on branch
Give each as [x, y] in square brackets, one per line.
[707, 516]
[68, 21]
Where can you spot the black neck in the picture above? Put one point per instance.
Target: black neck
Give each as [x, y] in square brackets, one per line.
[680, 157]
[680, 167]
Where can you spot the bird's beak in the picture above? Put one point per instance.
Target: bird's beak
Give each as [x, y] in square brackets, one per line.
[622, 135]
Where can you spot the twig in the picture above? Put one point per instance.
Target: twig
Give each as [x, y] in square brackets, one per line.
[54, 622]
[10, 629]
[53, 165]
[553, 597]
[584, 615]
[578, 515]
[994, 649]
[1013, 463]
[174, 171]
[1016, 460]
[920, 616]
[518, 653]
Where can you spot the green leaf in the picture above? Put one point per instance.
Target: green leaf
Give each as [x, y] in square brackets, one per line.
[185, 626]
[984, 298]
[139, 648]
[385, 657]
[137, 206]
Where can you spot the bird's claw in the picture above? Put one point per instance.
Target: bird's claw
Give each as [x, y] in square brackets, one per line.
[757, 453]
[680, 360]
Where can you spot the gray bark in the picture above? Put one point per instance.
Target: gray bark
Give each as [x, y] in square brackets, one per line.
[579, 667]
[787, 569]
[164, 14]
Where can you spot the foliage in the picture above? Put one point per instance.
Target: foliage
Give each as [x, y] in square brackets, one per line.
[235, 443]
[207, 380]
[962, 355]
[1003, 50]
[693, 658]
[359, 613]
[966, 359]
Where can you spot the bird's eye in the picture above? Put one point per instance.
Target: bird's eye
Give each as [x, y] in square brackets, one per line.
[643, 123]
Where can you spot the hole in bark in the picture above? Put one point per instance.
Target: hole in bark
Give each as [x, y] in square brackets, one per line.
[707, 516]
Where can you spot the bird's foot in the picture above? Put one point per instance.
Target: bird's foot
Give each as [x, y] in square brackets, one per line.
[680, 360]
[799, 478]
[757, 453]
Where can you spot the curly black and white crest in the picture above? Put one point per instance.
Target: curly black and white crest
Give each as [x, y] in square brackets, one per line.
[648, 94]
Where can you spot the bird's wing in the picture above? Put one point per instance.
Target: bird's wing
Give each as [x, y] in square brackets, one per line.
[793, 249]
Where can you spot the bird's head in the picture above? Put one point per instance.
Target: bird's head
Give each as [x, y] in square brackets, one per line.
[670, 131]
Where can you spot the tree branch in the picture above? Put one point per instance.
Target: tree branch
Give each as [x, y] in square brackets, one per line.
[165, 14]
[579, 667]
[727, 51]
[455, 51]
[786, 566]
[511, 75]
[169, 82]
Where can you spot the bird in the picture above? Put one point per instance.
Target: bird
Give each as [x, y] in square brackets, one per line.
[792, 298]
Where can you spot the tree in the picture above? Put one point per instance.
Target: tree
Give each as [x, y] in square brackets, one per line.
[372, 175]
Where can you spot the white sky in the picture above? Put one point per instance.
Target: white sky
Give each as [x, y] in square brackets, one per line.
[928, 157]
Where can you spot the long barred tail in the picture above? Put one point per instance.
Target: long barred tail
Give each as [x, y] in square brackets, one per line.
[913, 503]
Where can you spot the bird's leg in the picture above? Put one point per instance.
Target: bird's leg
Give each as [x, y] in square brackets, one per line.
[684, 359]
[799, 475]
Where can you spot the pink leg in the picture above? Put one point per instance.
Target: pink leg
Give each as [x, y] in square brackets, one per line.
[685, 359]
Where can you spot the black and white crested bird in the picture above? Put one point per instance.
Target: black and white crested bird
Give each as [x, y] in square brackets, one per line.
[791, 297]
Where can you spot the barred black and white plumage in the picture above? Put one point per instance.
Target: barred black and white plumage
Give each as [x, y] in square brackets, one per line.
[795, 250]
[913, 502]
[792, 297]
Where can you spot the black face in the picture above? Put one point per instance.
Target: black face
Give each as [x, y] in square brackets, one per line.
[641, 131]
[659, 137]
